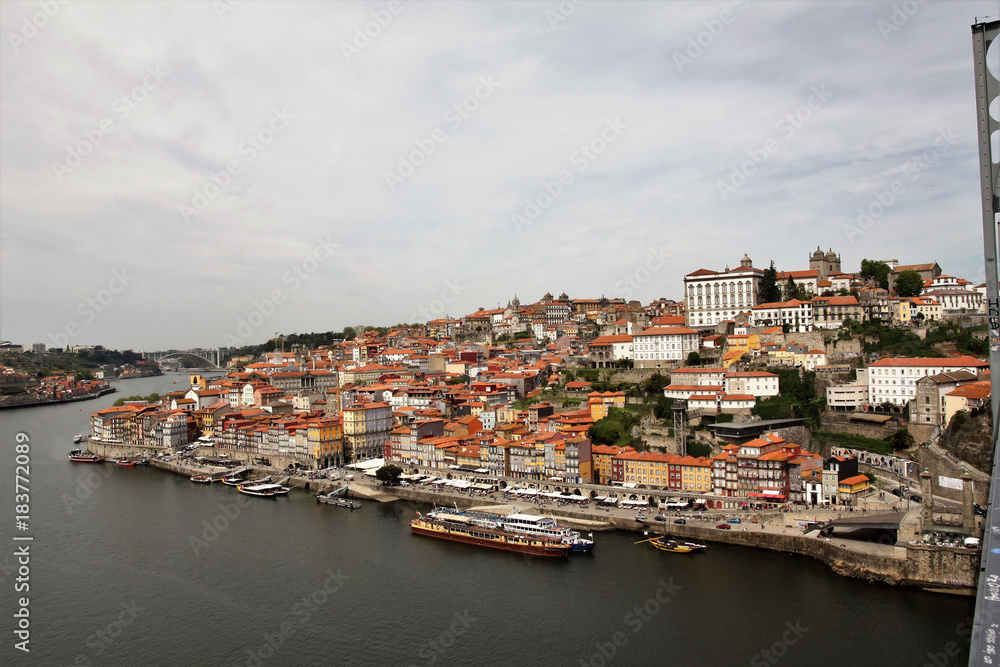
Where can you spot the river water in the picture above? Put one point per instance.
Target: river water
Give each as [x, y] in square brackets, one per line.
[137, 566]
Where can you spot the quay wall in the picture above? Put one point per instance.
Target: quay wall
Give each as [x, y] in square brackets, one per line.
[939, 569]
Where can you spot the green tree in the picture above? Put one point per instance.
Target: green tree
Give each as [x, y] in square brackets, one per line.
[654, 384]
[349, 333]
[694, 359]
[901, 439]
[876, 272]
[664, 407]
[791, 289]
[388, 474]
[909, 283]
[769, 290]
[696, 448]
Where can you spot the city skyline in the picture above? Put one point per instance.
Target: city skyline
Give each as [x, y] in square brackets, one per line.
[172, 168]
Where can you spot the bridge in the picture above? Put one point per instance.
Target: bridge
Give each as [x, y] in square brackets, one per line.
[213, 357]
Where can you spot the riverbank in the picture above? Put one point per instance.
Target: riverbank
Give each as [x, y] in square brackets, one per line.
[23, 403]
[930, 568]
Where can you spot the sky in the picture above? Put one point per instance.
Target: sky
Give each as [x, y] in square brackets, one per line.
[202, 174]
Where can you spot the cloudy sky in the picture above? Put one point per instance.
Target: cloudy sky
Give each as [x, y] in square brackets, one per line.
[177, 174]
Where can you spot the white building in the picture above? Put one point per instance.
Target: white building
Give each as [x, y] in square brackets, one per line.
[712, 297]
[895, 380]
[659, 346]
[758, 384]
[798, 315]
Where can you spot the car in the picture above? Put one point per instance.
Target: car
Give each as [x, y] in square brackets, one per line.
[978, 509]
[896, 492]
[660, 517]
[916, 497]
[680, 521]
[724, 526]
[734, 521]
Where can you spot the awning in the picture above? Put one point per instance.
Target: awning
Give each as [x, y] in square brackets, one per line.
[780, 497]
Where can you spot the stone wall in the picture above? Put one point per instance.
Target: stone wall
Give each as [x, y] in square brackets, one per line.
[938, 464]
[841, 424]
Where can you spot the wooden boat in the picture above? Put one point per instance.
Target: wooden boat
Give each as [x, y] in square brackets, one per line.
[201, 479]
[77, 456]
[125, 463]
[673, 546]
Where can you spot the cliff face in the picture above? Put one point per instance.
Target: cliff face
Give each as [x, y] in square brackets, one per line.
[972, 441]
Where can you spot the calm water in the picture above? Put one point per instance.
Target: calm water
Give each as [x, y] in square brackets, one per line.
[127, 568]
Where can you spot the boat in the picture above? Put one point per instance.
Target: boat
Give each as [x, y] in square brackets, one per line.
[77, 439]
[263, 490]
[457, 526]
[331, 499]
[143, 462]
[532, 524]
[201, 479]
[77, 456]
[694, 546]
[233, 481]
[672, 546]
[125, 463]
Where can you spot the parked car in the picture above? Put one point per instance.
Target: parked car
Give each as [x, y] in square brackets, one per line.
[680, 521]
[896, 492]
[724, 526]
[734, 521]
[916, 497]
[660, 517]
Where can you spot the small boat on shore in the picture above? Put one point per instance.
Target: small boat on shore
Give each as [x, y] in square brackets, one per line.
[77, 456]
[201, 479]
[263, 490]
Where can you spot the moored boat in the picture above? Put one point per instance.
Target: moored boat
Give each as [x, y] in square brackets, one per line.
[461, 527]
[125, 463]
[533, 524]
[201, 479]
[331, 499]
[78, 439]
[672, 546]
[263, 490]
[77, 456]
[233, 481]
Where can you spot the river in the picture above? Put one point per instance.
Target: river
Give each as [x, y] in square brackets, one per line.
[137, 566]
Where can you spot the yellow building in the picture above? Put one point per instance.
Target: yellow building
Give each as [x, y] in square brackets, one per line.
[600, 404]
[696, 474]
[851, 488]
[326, 441]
